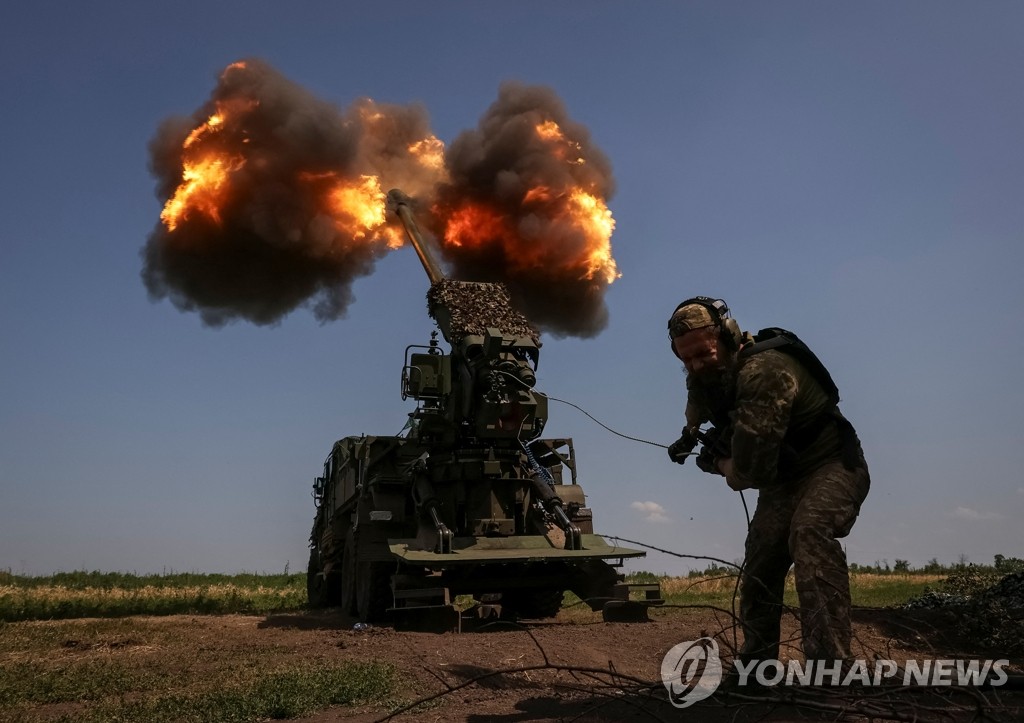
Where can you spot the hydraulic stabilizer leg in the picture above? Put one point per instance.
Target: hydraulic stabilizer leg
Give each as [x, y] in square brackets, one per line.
[444, 535]
[552, 505]
[427, 502]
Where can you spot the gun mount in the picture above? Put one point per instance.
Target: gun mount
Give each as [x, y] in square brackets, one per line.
[470, 500]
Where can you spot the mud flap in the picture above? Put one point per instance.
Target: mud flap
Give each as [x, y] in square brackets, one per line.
[428, 619]
[444, 618]
[425, 609]
[623, 609]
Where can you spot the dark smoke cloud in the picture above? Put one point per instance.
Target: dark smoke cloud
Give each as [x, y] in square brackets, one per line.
[496, 165]
[274, 248]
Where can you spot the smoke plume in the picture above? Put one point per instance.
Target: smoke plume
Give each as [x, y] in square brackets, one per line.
[525, 205]
[274, 199]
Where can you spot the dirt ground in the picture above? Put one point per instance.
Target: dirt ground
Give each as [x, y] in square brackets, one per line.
[611, 671]
[598, 671]
[579, 668]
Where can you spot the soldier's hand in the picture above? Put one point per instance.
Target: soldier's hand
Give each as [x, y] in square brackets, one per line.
[719, 441]
[682, 448]
[706, 461]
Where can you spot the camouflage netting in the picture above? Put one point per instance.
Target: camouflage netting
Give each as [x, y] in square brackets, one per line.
[472, 307]
[990, 608]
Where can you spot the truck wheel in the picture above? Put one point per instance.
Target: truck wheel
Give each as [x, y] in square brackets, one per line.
[315, 583]
[348, 574]
[332, 588]
[373, 590]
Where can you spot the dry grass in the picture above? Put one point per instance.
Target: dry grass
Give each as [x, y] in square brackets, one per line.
[41, 602]
[874, 580]
[866, 589]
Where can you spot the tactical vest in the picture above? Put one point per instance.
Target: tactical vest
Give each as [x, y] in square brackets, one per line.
[789, 343]
[800, 438]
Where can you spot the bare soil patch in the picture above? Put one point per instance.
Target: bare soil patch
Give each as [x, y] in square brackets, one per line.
[573, 668]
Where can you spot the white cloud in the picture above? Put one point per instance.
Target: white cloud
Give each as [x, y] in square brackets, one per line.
[966, 513]
[654, 511]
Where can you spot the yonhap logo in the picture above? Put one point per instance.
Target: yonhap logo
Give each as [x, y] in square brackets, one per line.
[691, 671]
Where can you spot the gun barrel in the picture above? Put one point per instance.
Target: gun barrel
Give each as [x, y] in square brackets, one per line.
[400, 204]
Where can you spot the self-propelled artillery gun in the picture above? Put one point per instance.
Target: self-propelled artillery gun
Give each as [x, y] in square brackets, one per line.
[471, 499]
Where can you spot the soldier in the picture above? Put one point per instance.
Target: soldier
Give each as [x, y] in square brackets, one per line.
[779, 431]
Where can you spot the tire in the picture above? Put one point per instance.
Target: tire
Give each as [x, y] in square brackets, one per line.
[347, 592]
[332, 588]
[316, 589]
[373, 591]
[371, 584]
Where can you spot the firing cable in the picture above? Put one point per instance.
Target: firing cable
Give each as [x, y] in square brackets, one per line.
[724, 563]
[745, 510]
[620, 434]
[743, 498]
[575, 406]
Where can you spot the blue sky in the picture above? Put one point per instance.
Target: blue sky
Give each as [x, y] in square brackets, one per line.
[851, 171]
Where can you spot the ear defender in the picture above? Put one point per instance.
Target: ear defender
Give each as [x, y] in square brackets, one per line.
[731, 335]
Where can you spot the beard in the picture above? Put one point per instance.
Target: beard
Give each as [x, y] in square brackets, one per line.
[714, 388]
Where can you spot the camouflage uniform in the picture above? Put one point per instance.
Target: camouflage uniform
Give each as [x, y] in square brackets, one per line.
[790, 443]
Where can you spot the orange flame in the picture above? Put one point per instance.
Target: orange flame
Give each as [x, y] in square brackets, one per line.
[540, 194]
[205, 172]
[552, 133]
[429, 152]
[357, 207]
[202, 189]
[362, 205]
[216, 121]
[473, 225]
[477, 225]
[592, 215]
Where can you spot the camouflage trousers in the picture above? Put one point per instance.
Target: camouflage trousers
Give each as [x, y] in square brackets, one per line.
[799, 523]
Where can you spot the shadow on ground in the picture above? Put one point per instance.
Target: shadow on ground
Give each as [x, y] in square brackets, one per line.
[325, 619]
[937, 632]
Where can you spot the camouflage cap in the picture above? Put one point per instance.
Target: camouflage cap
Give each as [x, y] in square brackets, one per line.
[687, 318]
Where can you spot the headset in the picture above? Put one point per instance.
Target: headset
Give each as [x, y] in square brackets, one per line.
[720, 315]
